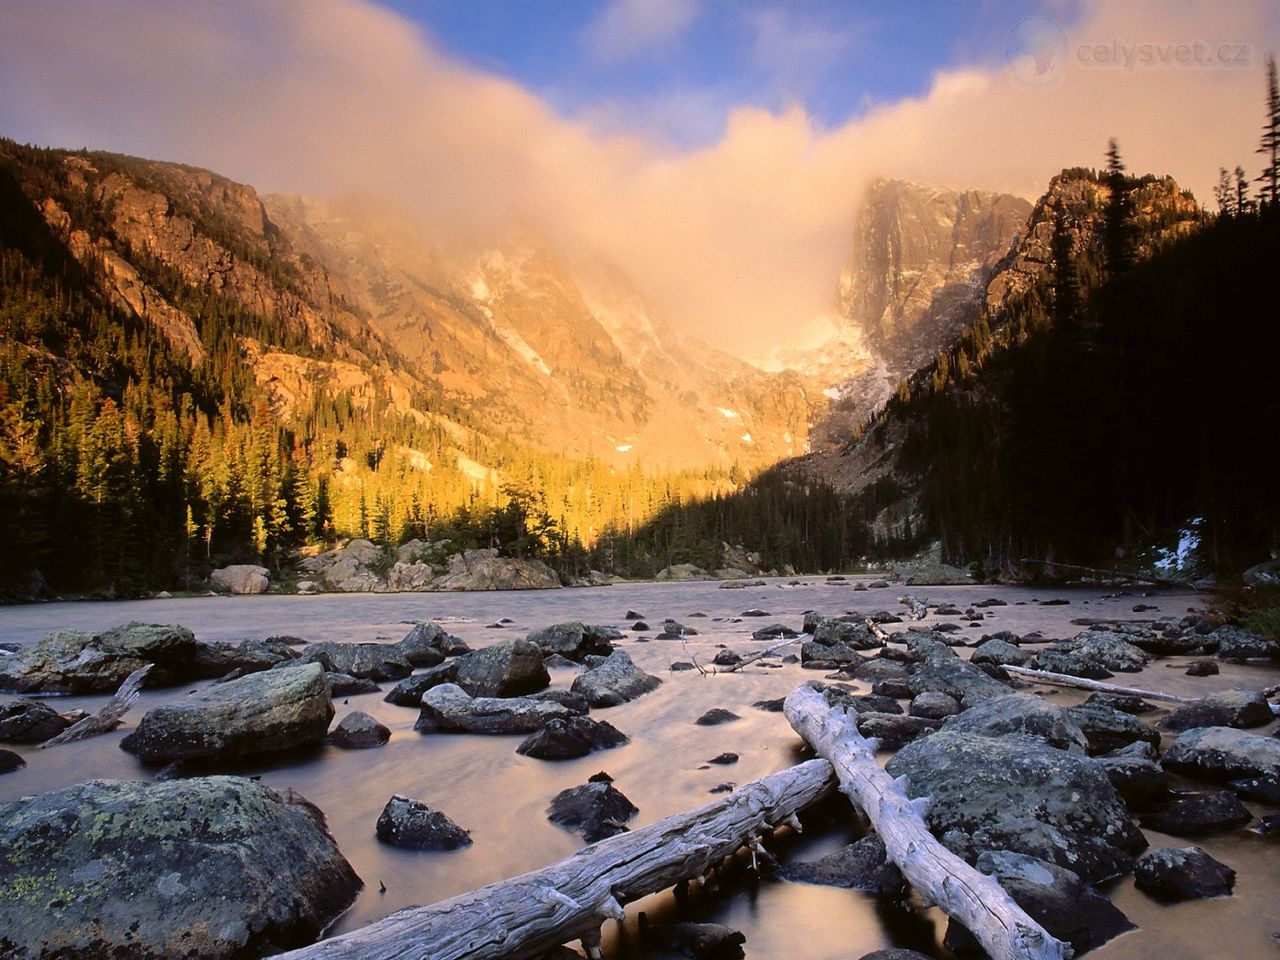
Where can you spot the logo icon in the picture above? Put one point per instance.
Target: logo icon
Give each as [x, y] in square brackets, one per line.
[1036, 52]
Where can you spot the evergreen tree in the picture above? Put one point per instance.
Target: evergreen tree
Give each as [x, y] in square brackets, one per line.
[1269, 145]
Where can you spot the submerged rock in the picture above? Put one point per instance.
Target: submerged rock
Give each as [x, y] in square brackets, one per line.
[570, 737]
[262, 713]
[716, 716]
[859, 866]
[616, 680]
[1183, 874]
[701, 941]
[405, 822]
[203, 868]
[596, 810]
[448, 708]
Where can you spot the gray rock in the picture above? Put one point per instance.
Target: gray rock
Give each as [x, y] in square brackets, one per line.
[774, 631]
[405, 822]
[827, 655]
[345, 685]
[1021, 715]
[1236, 644]
[716, 716]
[202, 868]
[571, 737]
[894, 730]
[1072, 664]
[357, 730]
[934, 706]
[82, 662]
[1000, 652]
[1194, 816]
[1202, 668]
[1224, 753]
[596, 810]
[448, 708]
[1183, 874]
[241, 578]
[953, 676]
[28, 721]
[701, 941]
[874, 669]
[217, 659]
[617, 680]
[485, 570]
[900, 690]
[1021, 795]
[10, 761]
[508, 669]
[575, 640]
[262, 713]
[851, 632]
[1107, 729]
[366, 661]
[1124, 702]
[427, 636]
[1224, 708]
[1138, 780]
[859, 866]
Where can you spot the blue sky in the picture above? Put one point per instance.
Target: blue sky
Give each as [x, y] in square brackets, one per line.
[677, 67]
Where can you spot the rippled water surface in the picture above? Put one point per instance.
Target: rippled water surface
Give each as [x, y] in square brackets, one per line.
[501, 797]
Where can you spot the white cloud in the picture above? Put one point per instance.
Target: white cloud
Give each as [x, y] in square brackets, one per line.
[630, 29]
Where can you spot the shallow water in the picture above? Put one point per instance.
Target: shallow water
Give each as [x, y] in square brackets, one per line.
[502, 797]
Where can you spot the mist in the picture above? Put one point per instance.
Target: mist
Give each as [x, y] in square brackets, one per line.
[739, 241]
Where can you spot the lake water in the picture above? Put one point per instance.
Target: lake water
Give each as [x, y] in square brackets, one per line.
[502, 798]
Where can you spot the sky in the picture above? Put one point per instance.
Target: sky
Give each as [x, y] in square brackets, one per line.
[715, 150]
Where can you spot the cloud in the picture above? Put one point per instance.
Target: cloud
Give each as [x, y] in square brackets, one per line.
[796, 49]
[741, 239]
[630, 29]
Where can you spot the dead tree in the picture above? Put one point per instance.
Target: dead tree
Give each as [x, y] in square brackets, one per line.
[108, 718]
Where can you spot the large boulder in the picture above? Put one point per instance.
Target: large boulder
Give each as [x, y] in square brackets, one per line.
[366, 661]
[1000, 652]
[262, 713]
[1224, 753]
[1021, 795]
[217, 659]
[29, 721]
[1021, 715]
[1236, 644]
[203, 868]
[82, 662]
[449, 708]
[1197, 815]
[1224, 708]
[405, 822]
[575, 640]
[1138, 780]
[1113, 651]
[1183, 874]
[241, 578]
[485, 570]
[614, 681]
[846, 631]
[1109, 729]
[508, 669]
[958, 678]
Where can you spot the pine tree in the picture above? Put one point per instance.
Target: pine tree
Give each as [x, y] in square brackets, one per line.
[1269, 146]
[1243, 203]
[1117, 226]
[1223, 193]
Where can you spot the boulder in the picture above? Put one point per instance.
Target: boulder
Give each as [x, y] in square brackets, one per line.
[1183, 874]
[10, 761]
[240, 578]
[1072, 664]
[366, 661]
[859, 866]
[1021, 715]
[82, 662]
[357, 730]
[1194, 816]
[934, 706]
[511, 668]
[716, 716]
[1236, 644]
[262, 713]
[1224, 753]
[575, 640]
[616, 680]
[571, 737]
[893, 729]
[405, 822]
[846, 631]
[774, 631]
[1108, 729]
[957, 678]
[1000, 652]
[596, 810]
[827, 656]
[1224, 708]
[217, 659]
[682, 571]
[700, 941]
[1111, 650]
[1124, 702]
[485, 570]
[201, 868]
[28, 721]
[1138, 780]
[1021, 795]
[345, 685]
[431, 636]
[450, 709]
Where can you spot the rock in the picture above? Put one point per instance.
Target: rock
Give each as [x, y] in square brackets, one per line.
[933, 705]
[557, 662]
[1054, 897]
[216, 659]
[345, 685]
[1021, 795]
[1225, 708]
[724, 759]
[1259, 789]
[1107, 729]
[716, 716]
[1124, 702]
[357, 730]
[900, 690]
[1021, 715]
[1183, 874]
[755, 612]
[701, 941]
[450, 709]
[1224, 753]
[485, 570]
[1202, 668]
[859, 866]
[425, 645]
[10, 761]
[640, 626]
[28, 721]
[893, 730]
[1000, 652]
[632, 615]
[566, 698]
[405, 822]
[828, 656]
[1111, 650]
[1138, 780]
[366, 661]
[575, 640]
[850, 632]
[1072, 664]
[203, 868]
[770, 706]
[570, 737]
[674, 630]
[1236, 644]
[240, 578]
[616, 680]
[875, 669]
[596, 810]
[264, 712]
[682, 571]
[895, 953]
[1193, 816]
[953, 676]
[774, 631]
[726, 658]
[80, 662]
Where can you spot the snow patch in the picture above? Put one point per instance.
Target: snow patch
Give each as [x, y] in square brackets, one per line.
[728, 414]
[623, 447]
[746, 438]
[479, 290]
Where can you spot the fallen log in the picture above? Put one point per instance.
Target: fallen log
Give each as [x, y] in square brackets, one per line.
[108, 718]
[527, 916]
[761, 654]
[917, 608]
[1066, 680]
[972, 898]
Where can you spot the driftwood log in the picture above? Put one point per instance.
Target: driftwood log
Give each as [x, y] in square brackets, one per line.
[1066, 680]
[527, 916]
[974, 899]
[761, 654]
[108, 718]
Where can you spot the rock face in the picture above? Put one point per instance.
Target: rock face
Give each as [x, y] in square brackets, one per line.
[240, 578]
[616, 680]
[79, 662]
[485, 570]
[448, 708]
[28, 721]
[261, 713]
[366, 661]
[1185, 874]
[1020, 795]
[209, 867]
[1224, 753]
[411, 823]
[859, 866]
